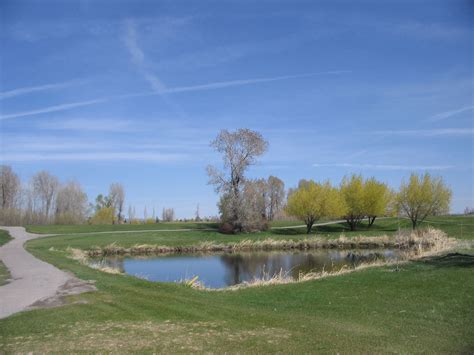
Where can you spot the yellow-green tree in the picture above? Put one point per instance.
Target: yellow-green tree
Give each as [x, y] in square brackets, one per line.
[377, 199]
[313, 201]
[423, 196]
[104, 215]
[353, 194]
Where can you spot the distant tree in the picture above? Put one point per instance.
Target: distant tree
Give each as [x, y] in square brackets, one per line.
[102, 201]
[468, 211]
[423, 196]
[353, 192]
[105, 215]
[239, 150]
[197, 214]
[9, 187]
[276, 192]
[168, 215]
[45, 187]
[377, 199]
[71, 204]
[131, 215]
[313, 201]
[117, 199]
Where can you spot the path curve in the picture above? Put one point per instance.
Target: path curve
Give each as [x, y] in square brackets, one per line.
[32, 281]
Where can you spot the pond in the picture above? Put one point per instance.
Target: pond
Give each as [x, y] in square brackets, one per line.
[218, 270]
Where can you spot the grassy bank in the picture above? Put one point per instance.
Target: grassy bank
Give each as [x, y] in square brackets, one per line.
[4, 274]
[426, 307]
[4, 237]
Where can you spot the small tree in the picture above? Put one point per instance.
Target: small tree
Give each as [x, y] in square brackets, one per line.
[353, 191]
[423, 196]
[276, 192]
[377, 199]
[105, 215]
[313, 201]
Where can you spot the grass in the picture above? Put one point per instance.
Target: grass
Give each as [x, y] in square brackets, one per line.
[86, 228]
[4, 237]
[426, 307]
[4, 274]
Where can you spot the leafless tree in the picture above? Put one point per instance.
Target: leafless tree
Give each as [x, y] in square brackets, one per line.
[276, 192]
[71, 204]
[168, 215]
[117, 199]
[9, 187]
[239, 150]
[45, 187]
[197, 214]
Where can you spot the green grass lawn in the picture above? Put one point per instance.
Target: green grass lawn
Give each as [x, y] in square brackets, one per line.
[4, 237]
[426, 307]
[4, 274]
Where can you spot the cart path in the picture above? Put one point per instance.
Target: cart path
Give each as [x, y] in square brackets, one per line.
[33, 282]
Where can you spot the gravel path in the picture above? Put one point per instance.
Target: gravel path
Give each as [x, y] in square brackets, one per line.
[33, 282]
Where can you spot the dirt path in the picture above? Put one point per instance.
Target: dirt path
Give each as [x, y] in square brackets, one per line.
[33, 282]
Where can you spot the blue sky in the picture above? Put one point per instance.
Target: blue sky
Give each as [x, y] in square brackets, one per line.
[133, 91]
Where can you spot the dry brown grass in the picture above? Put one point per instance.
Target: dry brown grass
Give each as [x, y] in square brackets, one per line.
[427, 238]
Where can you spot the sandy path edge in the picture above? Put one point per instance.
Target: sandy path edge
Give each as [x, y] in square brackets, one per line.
[34, 283]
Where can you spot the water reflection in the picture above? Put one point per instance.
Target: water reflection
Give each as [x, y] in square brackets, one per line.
[225, 269]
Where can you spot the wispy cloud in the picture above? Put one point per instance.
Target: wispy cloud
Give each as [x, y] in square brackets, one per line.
[385, 166]
[428, 132]
[95, 156]
[89, 124]
[443, 115]
[62, 107]
[31, 89]
[225, 84]
[160, 90]
[138, 56]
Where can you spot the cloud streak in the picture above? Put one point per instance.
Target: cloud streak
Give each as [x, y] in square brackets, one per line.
[95, 156]
[175, 90]
[55, 108]
[138, 57]
[444, 115]
[31, 89]
[429, 132]
[385, 166]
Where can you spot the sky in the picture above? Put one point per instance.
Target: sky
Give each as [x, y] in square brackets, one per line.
[134, 91]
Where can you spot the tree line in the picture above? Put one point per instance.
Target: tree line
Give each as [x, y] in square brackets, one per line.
[245, 204]
[46, 200]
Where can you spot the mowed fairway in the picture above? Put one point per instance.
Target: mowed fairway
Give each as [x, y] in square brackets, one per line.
[426, 307]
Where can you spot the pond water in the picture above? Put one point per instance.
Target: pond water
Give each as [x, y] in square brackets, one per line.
[219, 270]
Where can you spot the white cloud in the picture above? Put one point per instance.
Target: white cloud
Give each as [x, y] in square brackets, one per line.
[30, 89]
[138, 56]
[447, 114]
[55, 108]
[385, 166]
[94, 156]
[108, 125]
[429, 132]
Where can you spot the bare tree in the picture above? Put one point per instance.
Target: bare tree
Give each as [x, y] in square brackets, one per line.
[239, 150]
[45, 187]
[197, 214]
[276, 191]
[117, 199]
[9, 187]
[168, 215]
[71, 204]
